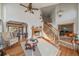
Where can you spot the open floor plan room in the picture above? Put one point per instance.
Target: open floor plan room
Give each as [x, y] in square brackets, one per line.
[39, 29]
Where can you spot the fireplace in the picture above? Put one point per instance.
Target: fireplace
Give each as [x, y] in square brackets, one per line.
[36, 31]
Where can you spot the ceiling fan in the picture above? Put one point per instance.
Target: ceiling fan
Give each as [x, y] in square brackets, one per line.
[29, 8]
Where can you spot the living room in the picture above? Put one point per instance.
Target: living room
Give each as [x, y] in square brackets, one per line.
[17, 18]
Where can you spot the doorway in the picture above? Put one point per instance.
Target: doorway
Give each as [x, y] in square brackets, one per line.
[18, 29]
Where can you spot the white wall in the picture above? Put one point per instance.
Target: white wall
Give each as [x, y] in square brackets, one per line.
[69, 14]
[15, 12]
[0, 11]
[0, 17]
[78, 20]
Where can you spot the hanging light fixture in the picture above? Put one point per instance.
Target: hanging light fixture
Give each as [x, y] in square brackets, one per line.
[60, 12]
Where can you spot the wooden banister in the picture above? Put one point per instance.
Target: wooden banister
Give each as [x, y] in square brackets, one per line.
[51, 32]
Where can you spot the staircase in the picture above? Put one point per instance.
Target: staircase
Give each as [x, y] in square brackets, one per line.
[51, 32]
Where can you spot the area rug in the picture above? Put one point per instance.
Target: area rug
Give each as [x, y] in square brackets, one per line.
[30, 52]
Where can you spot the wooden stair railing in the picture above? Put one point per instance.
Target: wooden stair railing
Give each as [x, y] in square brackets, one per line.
[51, 32]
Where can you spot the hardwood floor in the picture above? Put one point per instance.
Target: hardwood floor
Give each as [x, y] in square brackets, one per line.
[67, 51]
[16, 50]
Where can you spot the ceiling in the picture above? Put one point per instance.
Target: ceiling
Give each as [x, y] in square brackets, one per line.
[46, 8]
[40, 5]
